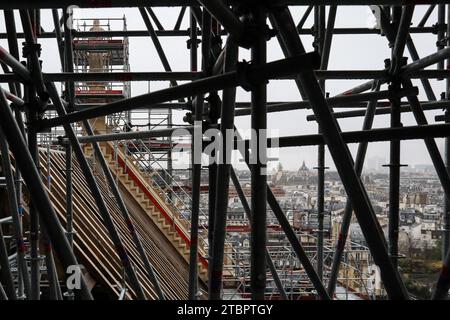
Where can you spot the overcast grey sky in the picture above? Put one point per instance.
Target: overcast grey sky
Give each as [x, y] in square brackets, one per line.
[353, 52]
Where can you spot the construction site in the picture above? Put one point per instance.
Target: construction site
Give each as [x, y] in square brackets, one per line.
[113, 183]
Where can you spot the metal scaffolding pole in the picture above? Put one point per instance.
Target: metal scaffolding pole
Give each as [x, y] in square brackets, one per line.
[107, 219]
[426, 15]
[282, 20]
[248, 213]
[24, 286]
[38, 194]
[196, 154]
[179, 19]
[227, 19]
[435, 105]
[33, 212]
[69, 202]
[154, 18]
[5, 270]
[251, 73]
[391, 36]
[258, 162]
[58, 35]
[319, 34]
[394, 181]
[287, 229]
[443, 284]
[136, 76]
[401, 22]
[31, 51]
[446, 219]
[430, 143]
[177, 3]
[32, 54]
[123, 209]
[242, 23]
[3, 295]
[418, 110]
[169, 132]
[156, 43]
[10, 25]
[68, 57]
[185, 33]
[336, 101]
[305, 17]
[15, 187]
[440, 43]
[223, 157]
[324, 38]
[373, 135]
[320, 207]
[213, 115]
[55, 289]
[347, 216]
[65, 49]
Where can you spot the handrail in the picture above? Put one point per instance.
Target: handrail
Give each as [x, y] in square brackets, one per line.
[168, 212]
[168, 200]
[142, 164]
[146, 171]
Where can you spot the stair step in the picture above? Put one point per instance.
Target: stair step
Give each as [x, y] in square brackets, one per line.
[161, 222]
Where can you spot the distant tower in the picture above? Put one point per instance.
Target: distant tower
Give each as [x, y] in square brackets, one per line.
[303, 167]
[280, 167]
[99, 54]
[279, 177]
[303, 174]
[303, 170]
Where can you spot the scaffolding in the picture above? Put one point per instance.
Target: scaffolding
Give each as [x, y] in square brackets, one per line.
[97, 140]
[101, 54]
[355, 277]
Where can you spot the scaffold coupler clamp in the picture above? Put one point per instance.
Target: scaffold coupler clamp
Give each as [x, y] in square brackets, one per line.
[245, 80]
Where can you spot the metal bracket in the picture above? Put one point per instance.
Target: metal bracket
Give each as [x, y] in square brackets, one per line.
[244, 79]
[29, 48]
[376, 10]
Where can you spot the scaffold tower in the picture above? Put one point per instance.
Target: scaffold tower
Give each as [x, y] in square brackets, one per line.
[88, 182]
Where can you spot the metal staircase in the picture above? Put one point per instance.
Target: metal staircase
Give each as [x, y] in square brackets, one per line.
[136, 164]
[91, 241]
[154, 199]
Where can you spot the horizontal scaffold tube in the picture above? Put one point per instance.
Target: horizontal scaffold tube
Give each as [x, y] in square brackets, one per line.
[333, 101]
[37, 192]
[426, 106]
[15, 65]
[31, 4]
[193, 75]
[374, 135]
[157, 133]
[247, 76]
[110, 76]
[186, 33]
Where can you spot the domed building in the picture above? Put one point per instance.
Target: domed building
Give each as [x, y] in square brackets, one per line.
[303, 176]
